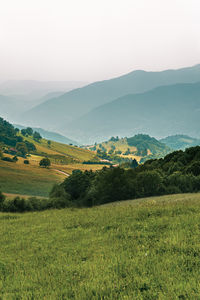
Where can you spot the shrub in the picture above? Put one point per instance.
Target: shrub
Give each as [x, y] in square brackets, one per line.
[26, 162]
[45, 162]
[15, 159]
[6, 158]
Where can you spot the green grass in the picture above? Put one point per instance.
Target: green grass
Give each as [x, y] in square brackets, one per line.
[18, 178]
[141, 249]
[76, 153]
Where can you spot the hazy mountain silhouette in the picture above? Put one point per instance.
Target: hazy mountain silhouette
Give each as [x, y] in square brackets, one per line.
[58, 112]
[162, 111]
[180, 141]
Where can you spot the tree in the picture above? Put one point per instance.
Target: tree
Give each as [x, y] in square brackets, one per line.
[45, 162]
[29, 131]
[36, 136]
[2, 199]
[77, 184]
[134, 163]
[22, 149]
[49, 143]
[194, 168]
[23, 132]
[15, 159]
[26, 162]
[16, 130]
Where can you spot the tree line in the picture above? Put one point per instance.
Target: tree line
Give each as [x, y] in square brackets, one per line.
[177, 172]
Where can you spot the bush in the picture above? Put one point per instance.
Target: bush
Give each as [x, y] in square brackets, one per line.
[15, 159]
[26, 162]
[7, 158]
[45, 162]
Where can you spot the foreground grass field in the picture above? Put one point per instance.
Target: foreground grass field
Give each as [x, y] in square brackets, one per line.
[141, 249]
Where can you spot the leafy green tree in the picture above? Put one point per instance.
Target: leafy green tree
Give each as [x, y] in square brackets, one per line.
[22, 149]
[109, 185]
[15, 159]
[29, 131]
[149, 183]
[23, 132]
[194, 168]
[36, 136]
[30, 146]
[78, 183]
[45, 162]
[134, 163]
[2, 199]
[17, 130]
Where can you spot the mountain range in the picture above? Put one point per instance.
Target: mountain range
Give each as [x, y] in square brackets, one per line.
[156, 103]
[160, 112]
[57, 113]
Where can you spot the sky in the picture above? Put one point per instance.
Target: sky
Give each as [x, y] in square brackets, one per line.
[90, 40]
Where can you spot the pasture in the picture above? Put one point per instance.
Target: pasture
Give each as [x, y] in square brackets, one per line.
[137, 249]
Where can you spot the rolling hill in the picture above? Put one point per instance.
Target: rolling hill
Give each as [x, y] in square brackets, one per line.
[75, 103]
[138, 147]
[30, 179]
[160, 112]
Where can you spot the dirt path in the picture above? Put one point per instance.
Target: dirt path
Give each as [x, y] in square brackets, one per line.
[62, 172]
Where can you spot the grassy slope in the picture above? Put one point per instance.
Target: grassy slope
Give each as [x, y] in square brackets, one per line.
[18, 178]
[144, 249]
[78, 154]
[27, 179]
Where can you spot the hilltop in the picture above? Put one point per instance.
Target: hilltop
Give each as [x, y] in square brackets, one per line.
[138, 147]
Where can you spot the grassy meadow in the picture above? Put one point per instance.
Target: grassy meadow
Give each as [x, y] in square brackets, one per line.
[139, 249]
[78, 154]
[18, 178]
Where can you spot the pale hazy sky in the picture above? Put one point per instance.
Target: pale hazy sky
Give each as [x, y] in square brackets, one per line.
[91, 40]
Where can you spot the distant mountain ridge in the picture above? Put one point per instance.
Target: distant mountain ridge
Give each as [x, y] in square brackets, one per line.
[74, 104]
[180, 141]
[160, 112]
